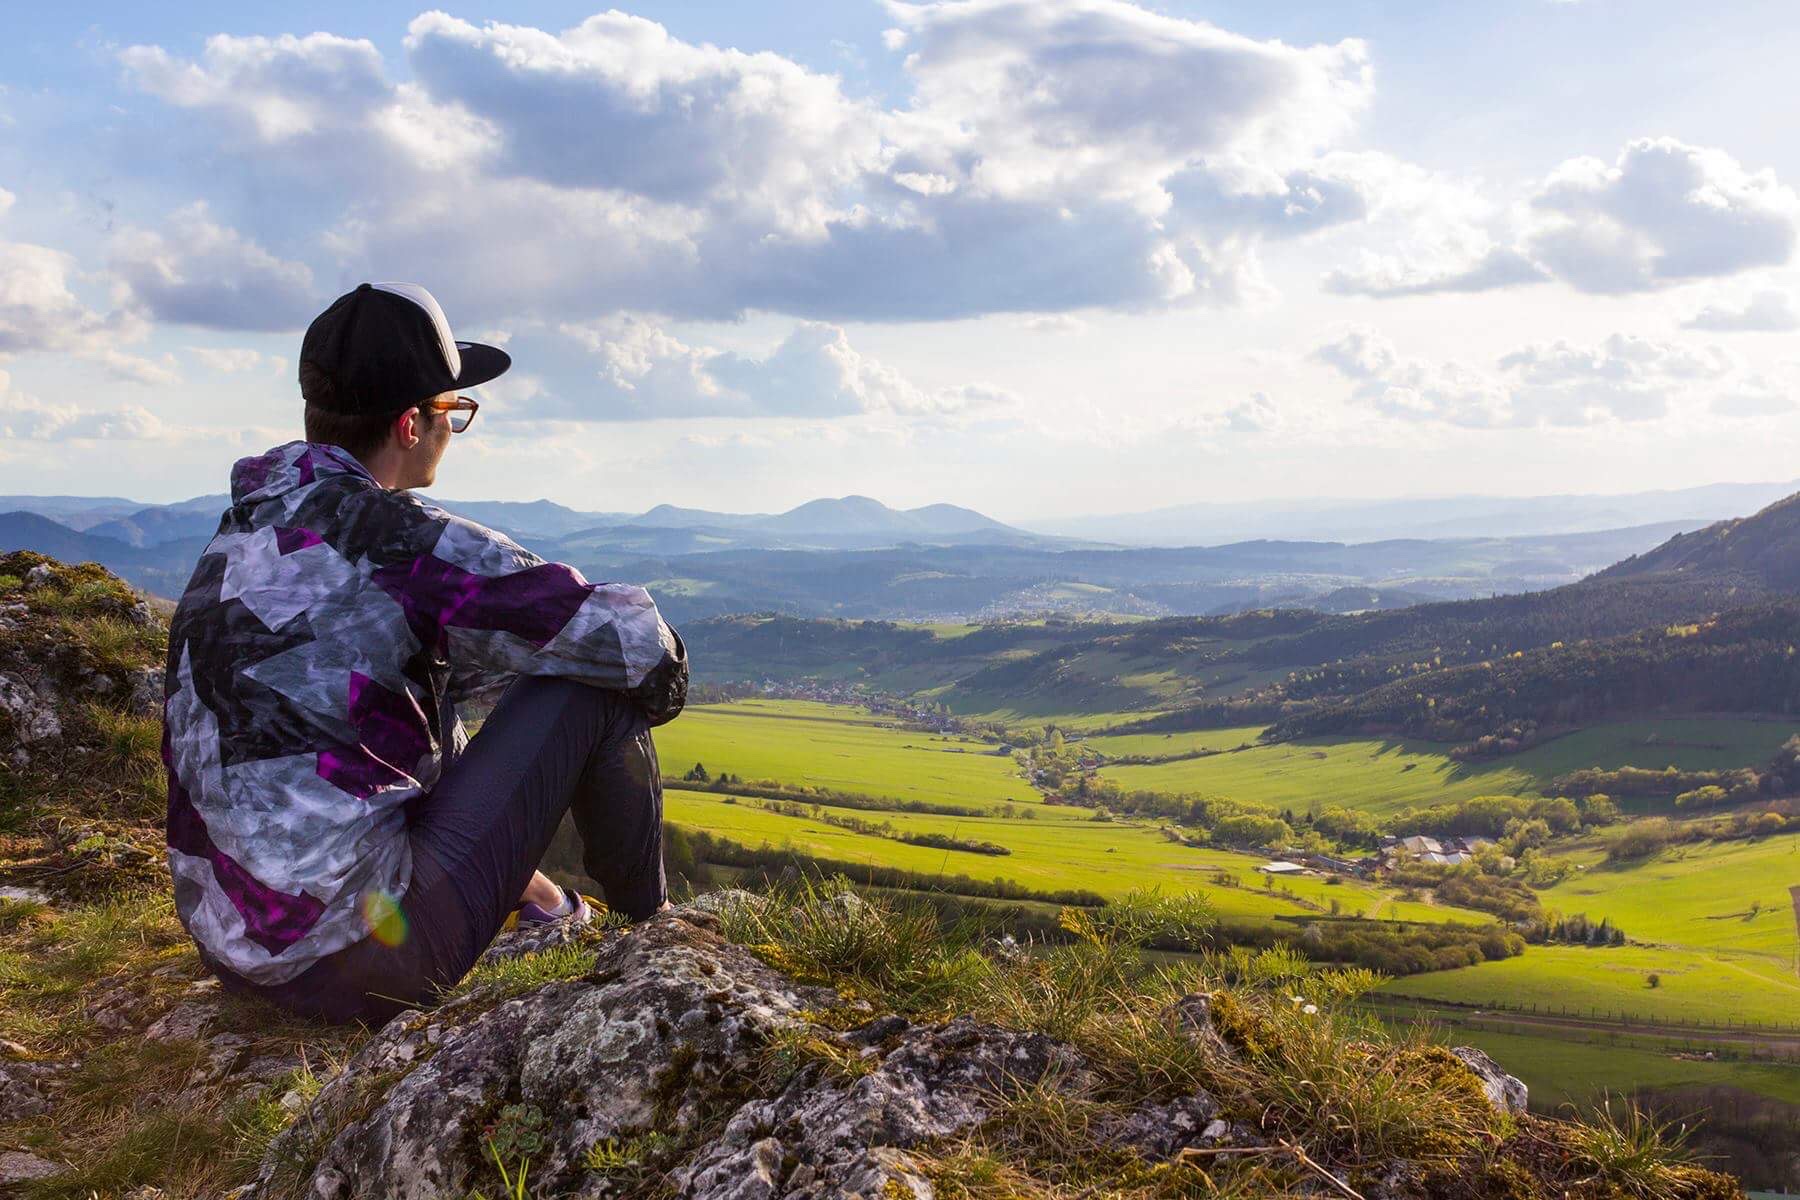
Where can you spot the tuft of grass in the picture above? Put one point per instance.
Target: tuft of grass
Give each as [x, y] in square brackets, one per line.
[794, 1048]
[823, 931]
[49, 958]
[1632, 1151]
[258, 1120]
[126, 739]
[181, 1150]
[509, 977]
[634, 1165]
[116, 645]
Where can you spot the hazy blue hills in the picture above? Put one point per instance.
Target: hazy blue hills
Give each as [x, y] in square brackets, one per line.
[848, 522]
[75, 512]
[855, 557]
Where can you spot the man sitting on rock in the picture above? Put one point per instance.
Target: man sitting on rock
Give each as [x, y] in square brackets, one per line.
[339, 845]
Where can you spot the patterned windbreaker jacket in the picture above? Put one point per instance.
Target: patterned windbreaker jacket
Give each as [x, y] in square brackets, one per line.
[315, 662]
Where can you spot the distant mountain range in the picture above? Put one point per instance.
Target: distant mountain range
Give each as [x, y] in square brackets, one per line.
[856, 557]
[859, 522]
[850, 522]
[1704, 622]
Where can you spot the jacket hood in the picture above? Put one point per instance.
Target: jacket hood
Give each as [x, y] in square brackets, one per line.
[286, 467]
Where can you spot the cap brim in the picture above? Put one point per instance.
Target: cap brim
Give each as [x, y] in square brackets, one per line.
[480, 363]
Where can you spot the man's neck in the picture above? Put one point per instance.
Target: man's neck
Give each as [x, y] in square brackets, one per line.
[384, 466]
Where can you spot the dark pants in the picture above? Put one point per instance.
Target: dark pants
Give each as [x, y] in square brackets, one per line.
[549, 746]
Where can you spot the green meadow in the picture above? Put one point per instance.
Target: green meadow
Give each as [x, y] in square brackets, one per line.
[1711, 895]
[1713, 920]
[1119, 745]
[1391, 775]
[1694, 985]
[1369, 774]
[1061, 848]
[821, 745]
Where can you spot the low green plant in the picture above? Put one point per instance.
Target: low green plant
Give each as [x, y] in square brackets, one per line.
[1631, 1150]
[515, 975]
[117, 645]
[632, 1163]
[791, 1049]
[824, 931]
[514, 1137]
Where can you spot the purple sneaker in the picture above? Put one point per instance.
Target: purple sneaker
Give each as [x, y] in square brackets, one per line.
[527, 913]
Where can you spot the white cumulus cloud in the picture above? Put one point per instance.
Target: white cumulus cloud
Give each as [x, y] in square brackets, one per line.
[1661, 214]
[26, 418]
[1045, 156]
[233, 360]
[197, 272]
[1622, 378]
[649, 373]
[1767, 311]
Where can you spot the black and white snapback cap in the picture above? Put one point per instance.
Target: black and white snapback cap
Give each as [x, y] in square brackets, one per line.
[386, 347]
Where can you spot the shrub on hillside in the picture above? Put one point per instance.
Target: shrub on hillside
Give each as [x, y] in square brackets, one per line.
[1506, 898]
[1251, 829]
[1641, 839]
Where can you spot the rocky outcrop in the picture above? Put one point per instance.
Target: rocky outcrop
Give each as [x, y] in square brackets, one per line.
[1505, 1092]
[46, 678]
[684, 1055]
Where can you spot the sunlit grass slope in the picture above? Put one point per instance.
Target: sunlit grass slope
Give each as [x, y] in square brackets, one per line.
[1694, 985]
[1117, 745]
[828, 746]
[1728, 895]
[1391, 775]
[1048, 853]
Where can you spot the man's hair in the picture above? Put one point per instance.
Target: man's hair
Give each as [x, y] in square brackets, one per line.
[362, 434]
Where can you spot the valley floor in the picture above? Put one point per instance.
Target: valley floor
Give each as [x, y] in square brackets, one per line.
[1712, 959]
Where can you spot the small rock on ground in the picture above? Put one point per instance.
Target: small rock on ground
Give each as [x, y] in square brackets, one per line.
[1507, 1093]
[16, 1166]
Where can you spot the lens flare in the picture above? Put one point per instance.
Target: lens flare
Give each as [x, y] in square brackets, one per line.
[381, 913]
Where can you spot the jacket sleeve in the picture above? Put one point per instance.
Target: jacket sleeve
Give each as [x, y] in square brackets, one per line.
[492, 608]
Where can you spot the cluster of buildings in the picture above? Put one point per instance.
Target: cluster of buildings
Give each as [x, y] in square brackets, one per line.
[1393, 851]
[1294, 862]
[1443, 852]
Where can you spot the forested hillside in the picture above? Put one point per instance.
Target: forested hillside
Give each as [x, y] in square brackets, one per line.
[1741, 661]
[1764, 548]
[1702, 624]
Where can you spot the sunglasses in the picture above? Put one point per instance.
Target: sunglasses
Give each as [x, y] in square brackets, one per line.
[462, 411]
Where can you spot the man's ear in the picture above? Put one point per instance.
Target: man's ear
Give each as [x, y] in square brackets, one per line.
[406, 429]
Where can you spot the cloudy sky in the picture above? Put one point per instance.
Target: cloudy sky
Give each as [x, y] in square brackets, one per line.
[1040, 257]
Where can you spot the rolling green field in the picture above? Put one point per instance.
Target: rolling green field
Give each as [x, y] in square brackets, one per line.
[1372, 775]
[1717, 914]
[1116, 745]
[1060, 849]
[1386, 776]
[1697, 985]
[1720, 895]
[821, 745]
